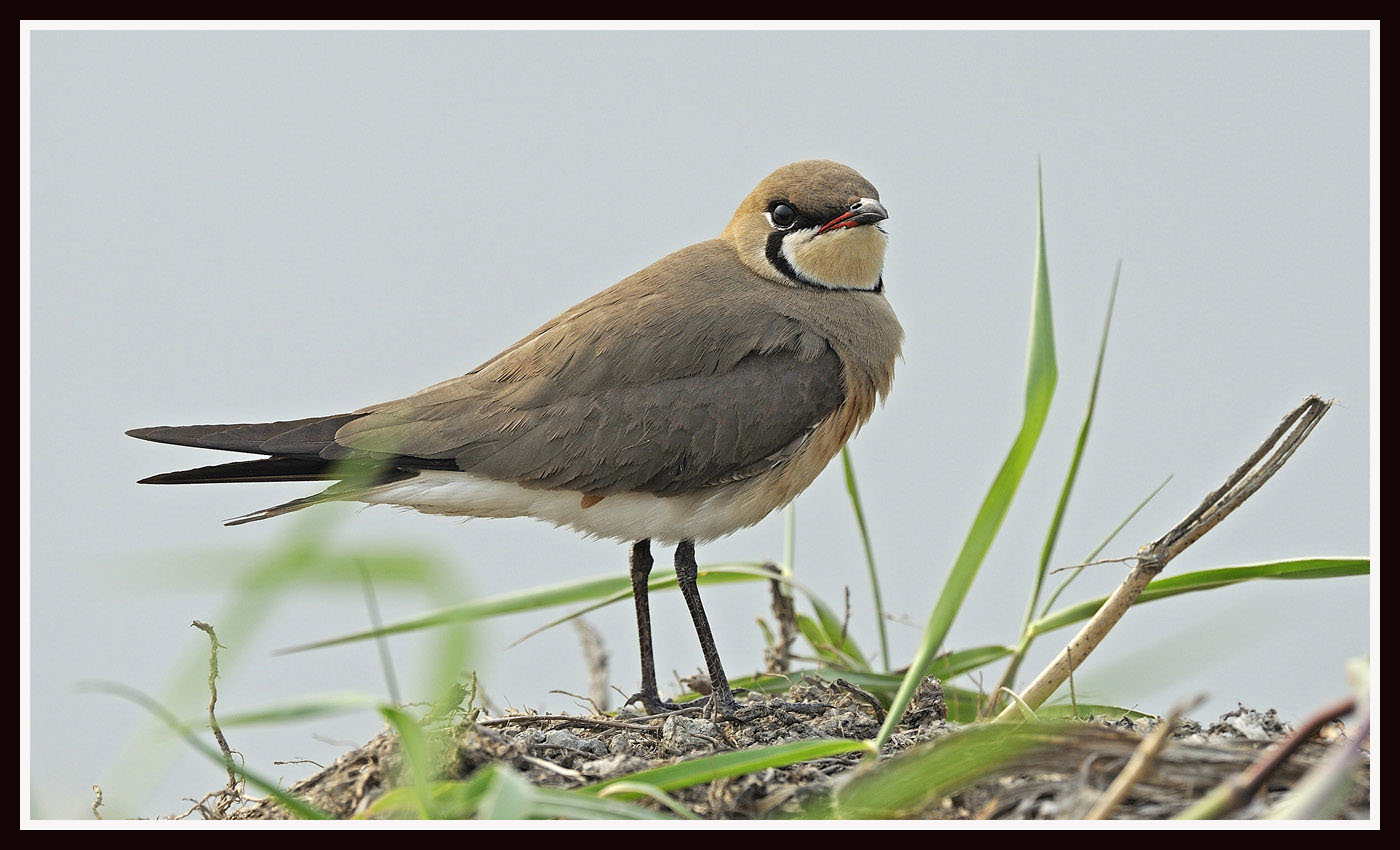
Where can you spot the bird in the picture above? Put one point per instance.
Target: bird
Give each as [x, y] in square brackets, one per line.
[687, 401]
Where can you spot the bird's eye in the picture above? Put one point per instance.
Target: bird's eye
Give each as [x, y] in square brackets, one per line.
[783, 215]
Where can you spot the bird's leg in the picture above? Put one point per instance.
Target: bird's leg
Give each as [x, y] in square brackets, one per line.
[649, 697]
[721, 699]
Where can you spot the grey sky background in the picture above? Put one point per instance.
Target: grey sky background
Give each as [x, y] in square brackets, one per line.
[246, 226]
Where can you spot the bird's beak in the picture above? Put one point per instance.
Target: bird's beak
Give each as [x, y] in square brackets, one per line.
[867, 211]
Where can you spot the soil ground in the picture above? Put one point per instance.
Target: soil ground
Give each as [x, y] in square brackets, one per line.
[1061, 782]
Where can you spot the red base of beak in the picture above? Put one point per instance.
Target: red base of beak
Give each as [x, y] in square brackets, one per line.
[845, 219]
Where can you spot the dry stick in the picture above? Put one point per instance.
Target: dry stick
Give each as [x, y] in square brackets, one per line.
[862, 695]
[1138, 767]
[568, 720]
[214, 698]
[785, 615]
[1152, 558]
[580, 699]
[1238, 790]
[846, 621]
[1093, 564]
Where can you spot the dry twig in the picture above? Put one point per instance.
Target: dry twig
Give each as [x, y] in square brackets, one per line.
[1152, 558]
[778, 658]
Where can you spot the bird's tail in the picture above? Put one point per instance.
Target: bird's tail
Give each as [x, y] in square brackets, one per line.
[301, 450]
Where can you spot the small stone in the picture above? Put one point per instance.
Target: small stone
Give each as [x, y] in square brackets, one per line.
[566, 740]
[689, 733]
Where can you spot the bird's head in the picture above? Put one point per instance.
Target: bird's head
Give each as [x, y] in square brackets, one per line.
[812, 223]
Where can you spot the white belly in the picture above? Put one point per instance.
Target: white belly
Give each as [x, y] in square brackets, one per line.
[704, 515]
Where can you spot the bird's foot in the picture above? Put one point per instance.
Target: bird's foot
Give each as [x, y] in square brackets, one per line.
[721, 705]
[652, 703]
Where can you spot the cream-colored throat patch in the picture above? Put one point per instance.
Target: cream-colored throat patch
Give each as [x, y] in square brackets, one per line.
[850, 258]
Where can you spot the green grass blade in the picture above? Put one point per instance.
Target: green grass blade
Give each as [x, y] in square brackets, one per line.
[552, 803]
[1041, 375]
[1052, 535]
[509, 796]
[1303, 568]
[497, 792]
[826, 645]
[1083, 710]
[386, 658]
[1047, 551]
[735, 763]
[907, 784]
[734, 571]
[455, 800]
[293, 711]
[951, 664]
[417, 757]
[611, 588]
[963, 703]
[651, 792]
[854, 492]
[838, 633]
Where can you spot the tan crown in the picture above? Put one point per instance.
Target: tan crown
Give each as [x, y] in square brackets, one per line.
[846, 258]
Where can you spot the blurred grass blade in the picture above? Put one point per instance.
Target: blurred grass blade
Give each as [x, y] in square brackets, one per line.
[386, 658]
[1322, 793]
[417, 758]
[612, 588]
[962, 703]
[508, 796]
[293, 805]
[1085, 710]
[839, 634]
[498, 792]
[576, 805]
[907, 784]
[455, 800]
[951, 664]
[825, 645]
[312, 708]
[651, 792]
[709, 575]
[1041, 374]
[1303, 568]
[735, 763]
[854, 493]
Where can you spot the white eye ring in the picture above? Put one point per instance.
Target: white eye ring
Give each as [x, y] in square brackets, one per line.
[775, 225]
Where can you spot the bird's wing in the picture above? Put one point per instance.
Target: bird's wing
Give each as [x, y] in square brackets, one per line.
[636, 389]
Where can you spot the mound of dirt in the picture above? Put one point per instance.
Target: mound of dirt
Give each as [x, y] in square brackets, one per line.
[561, 751]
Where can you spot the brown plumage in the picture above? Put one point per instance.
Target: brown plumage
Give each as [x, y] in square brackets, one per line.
[688, 400]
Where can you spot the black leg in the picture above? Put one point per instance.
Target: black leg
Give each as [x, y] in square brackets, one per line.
[649, 697]
[721, 699]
